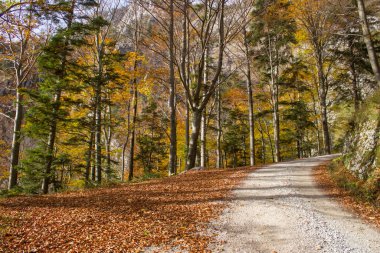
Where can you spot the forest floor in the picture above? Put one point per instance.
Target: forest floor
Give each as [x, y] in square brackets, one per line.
[280, 208]
[159, 214]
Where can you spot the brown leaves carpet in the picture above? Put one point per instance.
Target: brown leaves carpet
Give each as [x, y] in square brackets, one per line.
[362, 209]
[170, 212]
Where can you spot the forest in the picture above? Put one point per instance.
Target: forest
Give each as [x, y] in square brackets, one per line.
[101, 92]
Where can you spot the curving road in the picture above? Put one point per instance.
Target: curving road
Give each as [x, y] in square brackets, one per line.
[280, 209]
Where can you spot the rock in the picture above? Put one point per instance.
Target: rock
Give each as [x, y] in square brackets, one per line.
[198, 168]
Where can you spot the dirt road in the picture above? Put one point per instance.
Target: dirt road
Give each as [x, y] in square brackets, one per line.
[280, 209]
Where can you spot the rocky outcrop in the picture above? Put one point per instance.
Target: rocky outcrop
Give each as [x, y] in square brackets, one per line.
[362, 146]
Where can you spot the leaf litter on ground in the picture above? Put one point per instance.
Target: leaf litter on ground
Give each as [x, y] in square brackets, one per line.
[169, 212]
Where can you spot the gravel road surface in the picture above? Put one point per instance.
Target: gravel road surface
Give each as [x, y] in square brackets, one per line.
[280, 209]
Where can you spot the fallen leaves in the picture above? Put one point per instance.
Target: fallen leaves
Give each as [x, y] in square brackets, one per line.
[365, 210]
[169, 212]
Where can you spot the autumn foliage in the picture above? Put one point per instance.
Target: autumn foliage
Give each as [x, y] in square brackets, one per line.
[129, 218]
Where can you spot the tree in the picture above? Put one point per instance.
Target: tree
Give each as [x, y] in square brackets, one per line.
[272, 34]
[318, 20]
[251, 116]
[172, 100]
[196, 99]
[20, 43]
[102, 26]
[58, 71]
[368, 41]
[151, 139]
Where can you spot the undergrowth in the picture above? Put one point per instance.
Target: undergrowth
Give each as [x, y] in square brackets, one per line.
[364, 190]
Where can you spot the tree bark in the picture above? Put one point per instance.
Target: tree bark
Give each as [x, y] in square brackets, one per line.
[98, 131]
[274, 95]
[219, 160]
[16, 141]
[204, 120]
[251, 118]
[172, 99]
[108, 139]
[133, 133]
[51, 143]
[322, 92]
[195, 129]
[90, 147]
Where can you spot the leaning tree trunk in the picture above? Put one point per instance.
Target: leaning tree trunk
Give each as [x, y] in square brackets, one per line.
[16, 141]
[368, 41]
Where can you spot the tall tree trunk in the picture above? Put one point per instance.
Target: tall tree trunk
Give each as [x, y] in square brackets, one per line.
[187, 128]
[133, 133]
[251, 118]
[126, 141]
[325, 126]
[108, 152]
[276, 119]
[368, 41]
[90, 147]
[219, 160]
[186, 71]
[263, 146]
[51, 143]
[270, 140]
[98, 132]
[16, 141]
[322, 91]
[108, 139]
[195, 129]
[98, 103]
[316, 123]
[204, 120]
[172, 99]
[203, 140]
[123, 159]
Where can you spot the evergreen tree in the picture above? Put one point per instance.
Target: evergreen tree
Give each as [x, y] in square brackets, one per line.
[272, 32]
[152, 141]
[50, 102]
